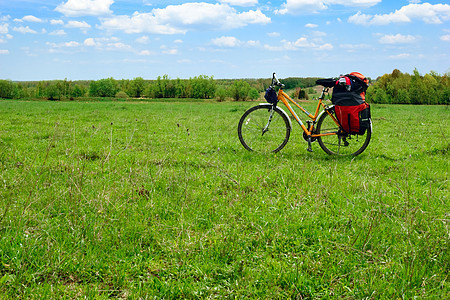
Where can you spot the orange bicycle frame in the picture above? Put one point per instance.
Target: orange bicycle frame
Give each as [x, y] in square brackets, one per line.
[283, 97]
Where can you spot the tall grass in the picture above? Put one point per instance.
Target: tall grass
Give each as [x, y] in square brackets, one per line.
[159, 200]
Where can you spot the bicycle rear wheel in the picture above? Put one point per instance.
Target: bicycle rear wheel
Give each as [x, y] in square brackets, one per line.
[340, 143]
[264, 128]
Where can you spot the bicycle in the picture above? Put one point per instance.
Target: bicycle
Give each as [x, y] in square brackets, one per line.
[267, 128]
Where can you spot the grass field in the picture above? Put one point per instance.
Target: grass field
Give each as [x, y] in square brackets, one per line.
[159, 200]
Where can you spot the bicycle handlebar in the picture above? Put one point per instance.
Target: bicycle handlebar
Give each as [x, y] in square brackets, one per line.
[276, 82]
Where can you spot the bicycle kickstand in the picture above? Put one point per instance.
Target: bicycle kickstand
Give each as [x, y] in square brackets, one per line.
[309, 149]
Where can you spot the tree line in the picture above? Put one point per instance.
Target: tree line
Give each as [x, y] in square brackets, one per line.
[394, 88]
[199, 87]
[404, 88]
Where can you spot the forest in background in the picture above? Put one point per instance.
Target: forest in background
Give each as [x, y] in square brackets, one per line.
[394, 88]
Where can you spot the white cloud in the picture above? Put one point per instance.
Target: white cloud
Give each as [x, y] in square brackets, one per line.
[57, 22]
[273, 48]
[58, 32]
[307, 6]
[170, 51]
[301, 43]
[231, 42]
[311, 25]
[24, 30]
[143, 40]
[119, 46]
[354, 47]
[139, 23]
[445, 38]
[240, 2]
[319, 34]
[83, 26]
[226, 41]
[112, 43]
[252, 43]
[4, 28]
[273, 34]
[29, 18]
[400, 56]
[326, 46]
[397, 39]
[4, 51]
[71, 44]
[145, 53]
[178, 19]
[90, 42]
[77, 24]
[428, 13]
[77, 8]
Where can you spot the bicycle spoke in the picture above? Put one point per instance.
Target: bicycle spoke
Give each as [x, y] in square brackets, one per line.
[339, 143]
[258, 134]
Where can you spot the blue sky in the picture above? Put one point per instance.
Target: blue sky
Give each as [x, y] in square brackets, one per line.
[94, 39]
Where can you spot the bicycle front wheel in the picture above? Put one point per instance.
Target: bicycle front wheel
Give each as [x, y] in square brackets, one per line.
[264, 129]
[340, 143]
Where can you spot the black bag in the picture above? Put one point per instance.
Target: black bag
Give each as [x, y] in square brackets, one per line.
[271, 95]
[349, 90]
[364, 120]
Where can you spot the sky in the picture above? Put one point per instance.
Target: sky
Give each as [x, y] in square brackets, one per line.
[95, 39]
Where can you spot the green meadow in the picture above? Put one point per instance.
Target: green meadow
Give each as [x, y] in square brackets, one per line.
[158, 200]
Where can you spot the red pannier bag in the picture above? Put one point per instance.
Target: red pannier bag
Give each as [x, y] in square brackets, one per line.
[355, 118]
[349, 97]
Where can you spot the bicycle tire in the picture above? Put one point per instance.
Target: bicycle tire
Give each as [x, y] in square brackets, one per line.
[252, 124]
[340, 143]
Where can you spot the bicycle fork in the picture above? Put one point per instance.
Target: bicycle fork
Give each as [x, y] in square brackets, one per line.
[266, 128]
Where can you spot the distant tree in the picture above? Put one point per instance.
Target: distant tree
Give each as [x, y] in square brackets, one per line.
[7, 88]
[78, 91]
[181, 88]
[52, 92]
[417, 89]
[253, 94]
[202, 87]
[166, 86]
[431, 89]
[93, 87]
[65, 87]
[40, 89]
[221, 94]
[302, 94]
[103, 88]
[239, 90]
[137, 87]
[121, 95]
[152, 91]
